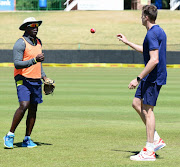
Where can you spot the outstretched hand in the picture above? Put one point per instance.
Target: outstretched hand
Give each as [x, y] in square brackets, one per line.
[122, 38]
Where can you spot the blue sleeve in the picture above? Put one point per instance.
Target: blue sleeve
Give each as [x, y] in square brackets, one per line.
[152, 41]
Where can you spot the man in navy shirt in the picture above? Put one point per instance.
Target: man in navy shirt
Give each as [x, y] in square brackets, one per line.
[150, 80]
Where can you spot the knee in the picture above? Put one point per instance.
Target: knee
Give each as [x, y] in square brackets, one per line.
[145, 113]
[32, 109]
[23, 106]
[32, 112]
[134, 105]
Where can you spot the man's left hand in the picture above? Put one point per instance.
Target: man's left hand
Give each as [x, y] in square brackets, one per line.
[49, 86]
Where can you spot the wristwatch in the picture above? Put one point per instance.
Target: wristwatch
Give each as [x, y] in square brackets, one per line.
[139, 79]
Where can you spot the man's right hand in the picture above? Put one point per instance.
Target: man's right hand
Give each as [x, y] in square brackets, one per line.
[40, 57]
[122, 38]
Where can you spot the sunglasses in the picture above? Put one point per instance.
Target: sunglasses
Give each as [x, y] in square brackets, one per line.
[33, 25]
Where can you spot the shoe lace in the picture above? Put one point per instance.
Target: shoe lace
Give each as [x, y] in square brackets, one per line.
[30, 141]
[10, 137]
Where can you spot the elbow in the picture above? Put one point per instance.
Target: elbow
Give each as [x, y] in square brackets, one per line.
[156, 62]
[17, 66]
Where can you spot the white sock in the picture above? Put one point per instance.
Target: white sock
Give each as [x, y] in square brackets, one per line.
[150, 146]
[10, 133]
[26, 137]
[156, 136]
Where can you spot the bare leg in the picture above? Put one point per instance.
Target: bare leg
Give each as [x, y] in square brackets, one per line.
[31, 118]
[137, 105]
[150, 122]
[146, 113]
[19, 114]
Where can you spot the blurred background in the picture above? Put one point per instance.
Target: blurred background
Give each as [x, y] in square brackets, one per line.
[62, 4]
[65, 32]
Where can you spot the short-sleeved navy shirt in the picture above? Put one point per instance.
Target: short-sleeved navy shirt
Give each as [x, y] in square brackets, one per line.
[156, 39]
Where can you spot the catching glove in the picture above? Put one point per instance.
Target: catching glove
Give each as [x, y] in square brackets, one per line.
[49, 86]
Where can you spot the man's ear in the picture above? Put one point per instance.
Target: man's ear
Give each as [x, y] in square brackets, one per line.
[147, 18]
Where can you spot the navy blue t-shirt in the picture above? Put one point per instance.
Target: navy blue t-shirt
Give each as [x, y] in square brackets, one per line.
[156, 39]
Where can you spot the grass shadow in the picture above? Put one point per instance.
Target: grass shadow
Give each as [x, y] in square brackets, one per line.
[17, 145]
[134, 152]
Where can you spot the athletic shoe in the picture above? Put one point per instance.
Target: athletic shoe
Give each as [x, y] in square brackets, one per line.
[8, 141]
[144, 155]
[29, 143]
[159, 145]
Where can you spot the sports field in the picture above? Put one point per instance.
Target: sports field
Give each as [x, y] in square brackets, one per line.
[89, 122]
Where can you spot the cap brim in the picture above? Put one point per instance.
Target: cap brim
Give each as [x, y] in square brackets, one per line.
[23, 26]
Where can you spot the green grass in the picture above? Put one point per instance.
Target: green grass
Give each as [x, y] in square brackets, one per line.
[71, 30]
[89, 121]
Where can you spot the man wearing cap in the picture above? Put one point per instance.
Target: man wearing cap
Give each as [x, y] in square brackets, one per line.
[28, 72]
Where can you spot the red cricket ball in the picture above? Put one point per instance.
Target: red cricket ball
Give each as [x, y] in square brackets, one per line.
[92, 30]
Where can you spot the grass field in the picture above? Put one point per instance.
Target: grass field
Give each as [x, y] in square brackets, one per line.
[71, 30]
[89, 122]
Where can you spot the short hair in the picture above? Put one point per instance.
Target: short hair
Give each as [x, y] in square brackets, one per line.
[150, 11]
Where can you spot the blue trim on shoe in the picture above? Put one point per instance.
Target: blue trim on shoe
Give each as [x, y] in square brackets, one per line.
[159, 147]
[29, 143]
[8, 141]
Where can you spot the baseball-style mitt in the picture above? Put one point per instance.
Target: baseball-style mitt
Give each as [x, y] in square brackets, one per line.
[49, 86]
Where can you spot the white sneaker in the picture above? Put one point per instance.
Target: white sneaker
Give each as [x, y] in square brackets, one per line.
[159, 145]
[144, 155]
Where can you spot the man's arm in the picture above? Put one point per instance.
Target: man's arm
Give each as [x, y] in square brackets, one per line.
[136, 47]
[154, 60]
[43, 75]
[18, 52]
